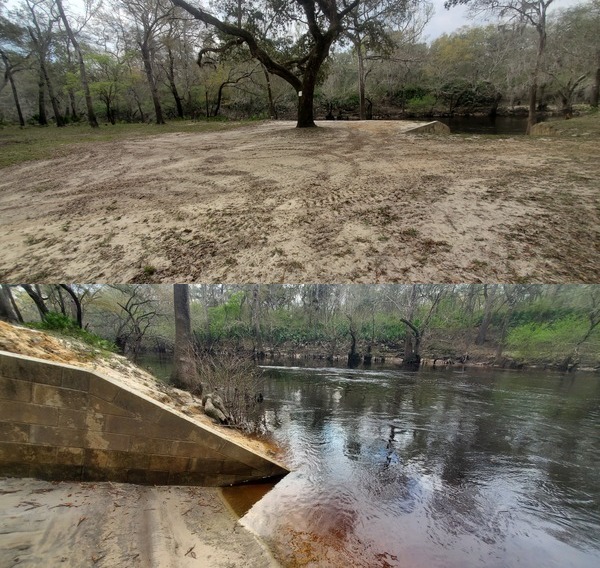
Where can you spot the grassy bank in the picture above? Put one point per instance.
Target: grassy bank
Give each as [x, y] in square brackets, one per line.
[20, 145]
[585, 125]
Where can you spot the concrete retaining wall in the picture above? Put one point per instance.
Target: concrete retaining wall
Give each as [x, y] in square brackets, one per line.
[543, 129]
[434, 127]
[63, 422]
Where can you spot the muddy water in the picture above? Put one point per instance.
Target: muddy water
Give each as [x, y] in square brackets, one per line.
[447, 468]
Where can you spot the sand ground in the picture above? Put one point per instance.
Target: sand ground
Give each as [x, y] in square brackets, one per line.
[347, 202]
[120, 525]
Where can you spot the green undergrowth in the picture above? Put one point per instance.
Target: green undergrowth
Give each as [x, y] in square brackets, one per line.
[553, 341]
[62, 325]
[18, 145]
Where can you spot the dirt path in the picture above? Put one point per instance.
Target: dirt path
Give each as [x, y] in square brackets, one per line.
[347, 202]
[112, 525]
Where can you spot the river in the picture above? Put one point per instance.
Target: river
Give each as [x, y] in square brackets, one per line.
[440, 468]
[436, 468]
[504, 125]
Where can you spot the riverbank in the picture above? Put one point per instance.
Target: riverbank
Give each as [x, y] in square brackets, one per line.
[349, 202]
[114, 524]
[456, 354]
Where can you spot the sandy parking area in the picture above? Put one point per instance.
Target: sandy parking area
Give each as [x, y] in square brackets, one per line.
[114, 525]
[347, 202]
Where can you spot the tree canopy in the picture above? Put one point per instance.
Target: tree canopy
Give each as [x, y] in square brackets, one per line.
[494, 323]
[144, 60]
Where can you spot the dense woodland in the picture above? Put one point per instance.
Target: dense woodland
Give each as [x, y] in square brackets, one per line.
[507, 325]
[109, 61]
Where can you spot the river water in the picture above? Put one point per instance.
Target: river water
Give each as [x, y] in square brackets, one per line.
[503, 125]
[440, 468]
[436, 468]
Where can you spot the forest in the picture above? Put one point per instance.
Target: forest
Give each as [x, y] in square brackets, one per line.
[67, 61]
[493, 324]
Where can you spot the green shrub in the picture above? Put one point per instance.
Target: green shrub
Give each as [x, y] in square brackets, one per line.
[547, 341]
[64, 325]
[421, 105]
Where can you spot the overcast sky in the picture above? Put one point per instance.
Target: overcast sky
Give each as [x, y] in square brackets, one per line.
[443, 21]
[447, 21]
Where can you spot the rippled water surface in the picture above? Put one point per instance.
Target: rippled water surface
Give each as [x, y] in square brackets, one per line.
[445, 468]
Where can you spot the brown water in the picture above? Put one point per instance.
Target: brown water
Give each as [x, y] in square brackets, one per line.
[446, 468]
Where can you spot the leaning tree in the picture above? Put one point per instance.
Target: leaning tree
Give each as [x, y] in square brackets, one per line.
[291, 39]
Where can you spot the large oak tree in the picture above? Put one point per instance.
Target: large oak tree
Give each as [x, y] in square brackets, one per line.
[291, 39]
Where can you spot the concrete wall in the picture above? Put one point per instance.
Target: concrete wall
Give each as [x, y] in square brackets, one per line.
[544, 129]
[434, 127]
[62, 422]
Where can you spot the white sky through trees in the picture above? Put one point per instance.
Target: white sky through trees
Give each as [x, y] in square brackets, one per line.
[443, 21]
[447, 21]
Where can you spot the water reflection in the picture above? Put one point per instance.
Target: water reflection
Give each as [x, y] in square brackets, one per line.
[433, 469]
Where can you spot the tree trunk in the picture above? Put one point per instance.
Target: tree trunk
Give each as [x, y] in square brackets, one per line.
[362, 111]
[531, 117]
[83, 75]
[503, 331]
[184, 371]
[42, 118]
[173, 86]
[37, 300]
[596, 86]
[408, 340]
[219, 97]
[487, 314]
[73, 103]
[53, 100]
[13, 88]
[305, 103]
[369, 111]
[412, 362]
[151, 82]
[177, 98]
[272, 108]
[412, 357]
[76, 302]
[7, 312]
[61, 302]
[353, 356]
[256, 317]
[140, 109]
[110, 115]
[12, 301]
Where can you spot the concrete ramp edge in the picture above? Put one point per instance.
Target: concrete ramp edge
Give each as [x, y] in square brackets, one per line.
[63, 422]
[434, 127]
